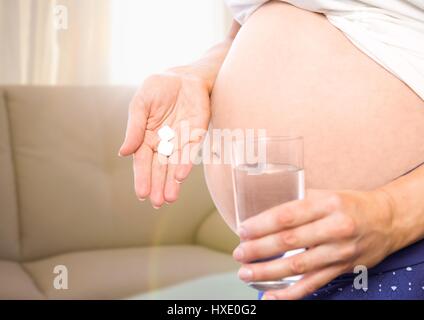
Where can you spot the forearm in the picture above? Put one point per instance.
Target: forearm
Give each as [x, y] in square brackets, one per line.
[208, 66]
[406, 196]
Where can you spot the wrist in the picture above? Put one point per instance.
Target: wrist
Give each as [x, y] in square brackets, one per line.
[387, 206]
[195, 73]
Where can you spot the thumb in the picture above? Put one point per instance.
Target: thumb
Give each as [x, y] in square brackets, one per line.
[136, 127]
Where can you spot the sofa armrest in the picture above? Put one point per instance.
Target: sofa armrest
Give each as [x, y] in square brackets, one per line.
[215, 234]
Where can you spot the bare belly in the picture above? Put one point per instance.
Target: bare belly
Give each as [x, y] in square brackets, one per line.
[290, 71]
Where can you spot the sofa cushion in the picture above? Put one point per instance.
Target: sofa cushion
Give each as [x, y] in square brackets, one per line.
[15, 283]
[9, 233]
[75, 193]
[214, 233]
[120, 273]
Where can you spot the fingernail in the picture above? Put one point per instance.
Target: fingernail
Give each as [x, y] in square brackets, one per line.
[242, 232]
[156, 207]
[245, 274]
[178, 181]
[119, 154]
[141, 199]
[238, 253]
[268, 297]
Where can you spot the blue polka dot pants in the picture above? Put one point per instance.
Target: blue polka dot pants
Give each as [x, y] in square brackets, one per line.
[406, 283]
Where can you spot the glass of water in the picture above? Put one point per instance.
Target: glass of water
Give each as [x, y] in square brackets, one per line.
[266, 172]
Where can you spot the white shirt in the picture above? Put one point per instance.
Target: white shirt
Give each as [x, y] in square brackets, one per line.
[389, 31]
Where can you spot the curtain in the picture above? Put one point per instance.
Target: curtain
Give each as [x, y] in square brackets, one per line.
[83, 48]
[34, 49]
[95, 42]
[15, 41]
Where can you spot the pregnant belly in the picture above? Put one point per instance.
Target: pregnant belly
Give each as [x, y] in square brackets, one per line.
[291, 72]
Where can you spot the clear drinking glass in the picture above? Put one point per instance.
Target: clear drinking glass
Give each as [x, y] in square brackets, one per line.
[267, 171]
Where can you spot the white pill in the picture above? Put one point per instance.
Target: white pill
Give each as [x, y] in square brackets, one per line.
[165, 148]
[166, 133]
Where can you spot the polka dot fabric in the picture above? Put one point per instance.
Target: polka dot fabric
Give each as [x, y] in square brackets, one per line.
[406, 283]
[398, 277]
[400, 284]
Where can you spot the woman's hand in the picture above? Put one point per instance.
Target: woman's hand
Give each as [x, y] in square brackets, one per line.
[180, 101]
[340, 229]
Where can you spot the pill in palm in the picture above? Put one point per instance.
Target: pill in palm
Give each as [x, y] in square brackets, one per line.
[166, 133]
[165, 148]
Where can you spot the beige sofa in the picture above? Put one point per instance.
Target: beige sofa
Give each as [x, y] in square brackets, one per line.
[66, 198]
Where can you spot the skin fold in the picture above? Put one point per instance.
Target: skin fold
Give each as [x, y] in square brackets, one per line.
[290, 71]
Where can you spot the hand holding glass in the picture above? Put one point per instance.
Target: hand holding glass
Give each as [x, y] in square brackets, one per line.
[269, 175]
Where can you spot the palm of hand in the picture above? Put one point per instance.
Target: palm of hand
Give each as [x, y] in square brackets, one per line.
[179, 102]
